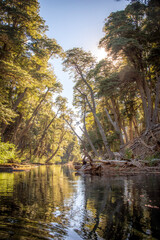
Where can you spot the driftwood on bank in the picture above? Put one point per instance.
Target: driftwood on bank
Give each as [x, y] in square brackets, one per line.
[128, 162]
[147, 145]
[128, 166]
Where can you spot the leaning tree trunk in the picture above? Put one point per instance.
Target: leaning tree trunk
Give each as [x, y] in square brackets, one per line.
[89, 141]
[83, 144]
[29, 122]
[93, 110]
[7, 127]
[19, 99]
[55, 152]
[116, 127]
[103, 135]
[43, 135]
[87, 135]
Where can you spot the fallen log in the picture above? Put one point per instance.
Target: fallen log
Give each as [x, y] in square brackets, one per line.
[128, 162]
[111, 161]
[94, 169]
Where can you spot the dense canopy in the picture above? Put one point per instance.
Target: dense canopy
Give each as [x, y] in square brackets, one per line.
[118, 98]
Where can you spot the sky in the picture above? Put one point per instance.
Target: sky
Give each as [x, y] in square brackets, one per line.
[76, 23]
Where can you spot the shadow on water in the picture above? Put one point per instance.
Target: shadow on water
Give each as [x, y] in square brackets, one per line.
[51, 202]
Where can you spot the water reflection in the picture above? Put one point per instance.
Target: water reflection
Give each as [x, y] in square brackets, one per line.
[53, 203]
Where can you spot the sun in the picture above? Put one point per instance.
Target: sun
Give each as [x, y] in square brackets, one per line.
[99, 53]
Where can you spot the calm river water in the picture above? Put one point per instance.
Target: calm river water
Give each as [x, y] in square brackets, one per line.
[51, 202]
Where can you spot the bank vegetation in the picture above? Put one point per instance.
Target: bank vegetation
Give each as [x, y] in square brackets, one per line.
[118, 98]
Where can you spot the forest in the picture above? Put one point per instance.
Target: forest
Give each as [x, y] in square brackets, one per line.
[117, 98]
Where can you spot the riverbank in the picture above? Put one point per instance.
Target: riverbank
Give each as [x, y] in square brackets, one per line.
[12, 167]
[117, 167]
[101, 167]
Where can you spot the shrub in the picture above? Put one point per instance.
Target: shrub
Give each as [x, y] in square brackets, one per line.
[128, 153]
[7, 152]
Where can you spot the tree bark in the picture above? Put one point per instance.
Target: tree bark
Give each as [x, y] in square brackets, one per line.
[55, 152]
[125, 132]
[116, 126]
[93, 110]
[89, 141]
[147, 116]
[15, 105]
[83, 144]
[118, 120]
[149, 101]
[135, 126]
[43, 135]
[87, 135]
[130, 130]
[157, 101]
[19, 99]
[28, 124]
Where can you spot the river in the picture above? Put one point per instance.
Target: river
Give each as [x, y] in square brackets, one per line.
[52, 202]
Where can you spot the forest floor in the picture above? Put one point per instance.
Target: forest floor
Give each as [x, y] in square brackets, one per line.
[130, 170]
[114, 167]
[147, 145]
[144, 157]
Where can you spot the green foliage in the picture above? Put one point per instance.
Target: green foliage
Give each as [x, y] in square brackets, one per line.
[128, 153]
[153, 160]
[27, 84]
[7, 152]
[33, 122]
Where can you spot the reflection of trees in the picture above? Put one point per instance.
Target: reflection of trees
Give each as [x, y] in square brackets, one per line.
[37, 195]
[6, 184]
[43, 188]
[101, 198]
[52, 199]
[119, 208]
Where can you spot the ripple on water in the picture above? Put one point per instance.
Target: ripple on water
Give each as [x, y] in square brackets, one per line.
[22, 229]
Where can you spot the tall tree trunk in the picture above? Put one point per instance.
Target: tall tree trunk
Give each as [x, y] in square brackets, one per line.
[135, 126]
[125, 132]
[29, 123]
[157, 101]
[14, 107]
[87, 135]
[83, 144]
[149, 101]
[147, 116]
[55, 152]
[89, 141]
[103, 135]
[43, 135]
[130, 130]
[10, 132]
[19, 99]
[116, 126]
[117, 116]
[93, 110]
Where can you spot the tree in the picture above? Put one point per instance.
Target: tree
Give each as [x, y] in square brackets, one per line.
[126, 35]
[81, 63]
[28, 83]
